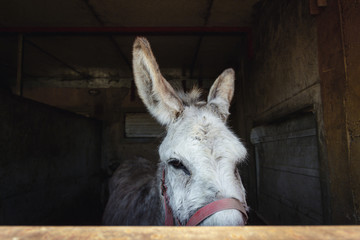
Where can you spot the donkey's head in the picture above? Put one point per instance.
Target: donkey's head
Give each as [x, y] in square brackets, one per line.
[199, 154]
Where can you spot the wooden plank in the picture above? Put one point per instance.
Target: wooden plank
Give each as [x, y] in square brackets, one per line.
[136, 31]
[174, 233]
[335, 119]
[314, 8]
[350, 19]
[286, 155]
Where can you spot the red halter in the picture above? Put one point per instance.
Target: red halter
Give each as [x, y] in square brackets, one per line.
[204, 212]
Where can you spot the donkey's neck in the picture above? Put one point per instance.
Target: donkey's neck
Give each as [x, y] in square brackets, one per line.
[135, 194]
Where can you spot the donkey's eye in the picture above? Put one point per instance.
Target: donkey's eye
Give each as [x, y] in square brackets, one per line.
[178, 165]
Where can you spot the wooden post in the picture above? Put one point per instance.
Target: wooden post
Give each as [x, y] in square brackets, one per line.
[334, 95]
[18, 86]
[350, 21]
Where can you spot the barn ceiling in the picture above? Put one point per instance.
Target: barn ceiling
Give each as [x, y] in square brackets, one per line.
[89, 55]
[72, 42]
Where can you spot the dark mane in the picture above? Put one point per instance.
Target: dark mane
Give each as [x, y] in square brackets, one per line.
[191, 98]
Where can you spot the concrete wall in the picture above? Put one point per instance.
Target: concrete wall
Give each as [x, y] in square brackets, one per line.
[284, 79]
[49, 165]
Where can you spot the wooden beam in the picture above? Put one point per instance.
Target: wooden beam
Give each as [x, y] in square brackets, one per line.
[200, 39]
[202, 30]
[111, 38]
[175, 233]
[35, 82]
[350, 22]
[73, 68]
[314, 8]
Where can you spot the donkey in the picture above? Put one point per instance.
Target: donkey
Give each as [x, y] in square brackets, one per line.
[196, 181]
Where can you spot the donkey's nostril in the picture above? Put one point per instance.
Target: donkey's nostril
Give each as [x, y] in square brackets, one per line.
[219, 195]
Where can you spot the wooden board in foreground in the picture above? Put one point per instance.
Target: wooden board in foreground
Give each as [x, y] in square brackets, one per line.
[174, 233]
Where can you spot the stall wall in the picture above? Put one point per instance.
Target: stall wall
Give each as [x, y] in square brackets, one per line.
[49, 165]
[110, 105]
[287, 166]
[283, 83]
[285, 65]
[303, 63]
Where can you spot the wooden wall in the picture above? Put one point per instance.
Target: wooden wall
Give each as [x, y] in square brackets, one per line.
[305, 62]
[339, 58]
[49, 165]
[283, 82]
[288, 176]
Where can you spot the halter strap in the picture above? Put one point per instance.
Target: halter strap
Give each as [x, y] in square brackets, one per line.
[204, 212]
[217, 206]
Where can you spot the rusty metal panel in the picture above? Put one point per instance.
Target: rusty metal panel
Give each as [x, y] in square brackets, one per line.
[174, 233]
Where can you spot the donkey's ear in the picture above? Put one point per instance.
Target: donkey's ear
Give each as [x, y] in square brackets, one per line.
[156, 93]
[221, 93]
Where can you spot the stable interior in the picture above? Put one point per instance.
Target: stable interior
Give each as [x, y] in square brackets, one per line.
[70, 113]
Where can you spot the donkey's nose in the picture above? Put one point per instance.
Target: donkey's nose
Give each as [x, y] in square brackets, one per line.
[220, 195]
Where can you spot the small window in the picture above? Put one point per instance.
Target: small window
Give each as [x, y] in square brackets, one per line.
[141, 125]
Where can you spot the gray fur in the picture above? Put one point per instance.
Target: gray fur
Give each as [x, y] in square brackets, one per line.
[134, 195]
